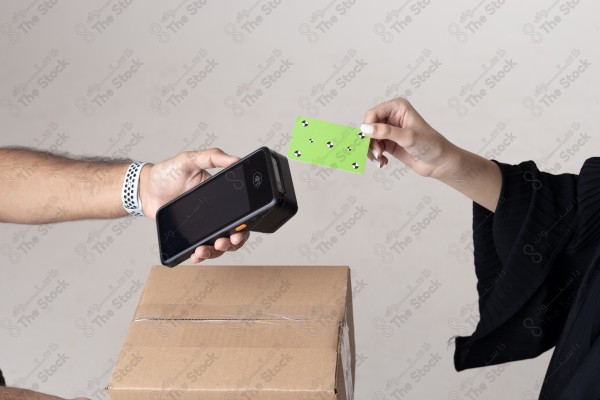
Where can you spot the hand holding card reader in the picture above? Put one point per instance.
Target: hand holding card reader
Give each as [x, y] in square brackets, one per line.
[254, 194]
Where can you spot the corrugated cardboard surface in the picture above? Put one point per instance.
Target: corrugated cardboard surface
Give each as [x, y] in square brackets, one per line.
[239, 332]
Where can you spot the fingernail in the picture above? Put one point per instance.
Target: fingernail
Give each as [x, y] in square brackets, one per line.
[367, 129]
[375, 154]
[376, 162]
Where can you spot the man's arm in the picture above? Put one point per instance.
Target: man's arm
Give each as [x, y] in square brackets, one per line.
[39, 187]
[10, 393]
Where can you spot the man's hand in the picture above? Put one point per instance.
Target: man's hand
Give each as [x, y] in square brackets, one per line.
[39, 188]
[166, 180]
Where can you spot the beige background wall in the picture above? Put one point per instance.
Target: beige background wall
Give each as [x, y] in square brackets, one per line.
[83, 107]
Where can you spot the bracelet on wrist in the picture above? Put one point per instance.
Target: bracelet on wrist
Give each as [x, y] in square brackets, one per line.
[130, 195]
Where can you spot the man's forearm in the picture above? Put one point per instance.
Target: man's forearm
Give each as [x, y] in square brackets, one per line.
[39, 187]
[474, 176]
[10, 393]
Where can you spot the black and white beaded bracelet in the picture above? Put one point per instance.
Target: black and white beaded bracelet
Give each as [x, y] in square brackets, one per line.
[131, 197]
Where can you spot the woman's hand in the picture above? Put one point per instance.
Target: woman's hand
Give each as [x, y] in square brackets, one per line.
[397, 128]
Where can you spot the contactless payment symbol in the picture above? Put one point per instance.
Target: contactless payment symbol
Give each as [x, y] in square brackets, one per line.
[256, 179]
[328, 144]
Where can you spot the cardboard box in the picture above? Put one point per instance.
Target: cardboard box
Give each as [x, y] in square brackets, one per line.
[239, 332]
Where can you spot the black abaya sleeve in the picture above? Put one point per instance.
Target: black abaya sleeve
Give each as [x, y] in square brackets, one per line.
[525, 281]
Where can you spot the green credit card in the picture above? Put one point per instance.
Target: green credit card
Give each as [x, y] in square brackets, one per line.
[328, 144]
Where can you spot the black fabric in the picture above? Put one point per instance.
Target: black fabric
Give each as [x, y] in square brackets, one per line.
[2, 381]
[537, 259]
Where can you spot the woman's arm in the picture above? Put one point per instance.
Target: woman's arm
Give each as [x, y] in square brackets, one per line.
[398, 129]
